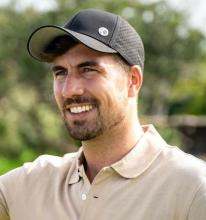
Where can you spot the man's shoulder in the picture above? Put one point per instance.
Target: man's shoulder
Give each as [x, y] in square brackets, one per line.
[171, 159]
[181, 159]
[34, 179]
[44, 161]
[182, 165]
[42, 166]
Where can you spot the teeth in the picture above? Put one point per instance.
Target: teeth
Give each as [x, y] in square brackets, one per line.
[80, 109]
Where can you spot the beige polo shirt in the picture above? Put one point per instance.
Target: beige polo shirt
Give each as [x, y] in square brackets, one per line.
[152, 182]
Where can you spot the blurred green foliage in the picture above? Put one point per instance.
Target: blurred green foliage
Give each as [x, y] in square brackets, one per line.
[174, 76]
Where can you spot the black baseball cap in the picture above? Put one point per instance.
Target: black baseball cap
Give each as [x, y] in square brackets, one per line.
[99, 30]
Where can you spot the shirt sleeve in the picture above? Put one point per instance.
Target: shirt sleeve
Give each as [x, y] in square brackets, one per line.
[198, 205]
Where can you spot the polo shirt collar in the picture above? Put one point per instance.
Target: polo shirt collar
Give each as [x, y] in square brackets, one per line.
[135, 162]
[142, 155]
[76, 167]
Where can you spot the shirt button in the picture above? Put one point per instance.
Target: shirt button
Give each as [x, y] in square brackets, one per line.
[84, 197]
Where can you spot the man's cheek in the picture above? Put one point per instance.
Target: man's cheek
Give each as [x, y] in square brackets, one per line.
[59, 102]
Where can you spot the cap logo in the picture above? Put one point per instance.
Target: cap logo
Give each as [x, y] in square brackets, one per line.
[103, 31]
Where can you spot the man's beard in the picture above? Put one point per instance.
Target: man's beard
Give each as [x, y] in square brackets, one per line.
[89, 129]
[85, 130]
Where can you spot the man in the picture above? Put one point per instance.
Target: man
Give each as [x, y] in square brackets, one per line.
[123, 170]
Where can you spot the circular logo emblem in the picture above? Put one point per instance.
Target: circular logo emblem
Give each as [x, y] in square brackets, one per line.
[103, 31]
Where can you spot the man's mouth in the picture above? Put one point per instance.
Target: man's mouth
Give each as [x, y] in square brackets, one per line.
[80, 106]
[80, 109]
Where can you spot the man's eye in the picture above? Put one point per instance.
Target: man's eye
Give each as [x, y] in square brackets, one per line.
[60, 74]
[88, 69]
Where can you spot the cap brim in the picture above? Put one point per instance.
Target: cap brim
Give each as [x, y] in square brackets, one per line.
[42, 36]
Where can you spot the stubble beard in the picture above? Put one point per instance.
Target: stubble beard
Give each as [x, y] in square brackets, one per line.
[86, 130]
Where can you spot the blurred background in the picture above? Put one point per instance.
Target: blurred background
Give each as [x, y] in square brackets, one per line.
[173, 96]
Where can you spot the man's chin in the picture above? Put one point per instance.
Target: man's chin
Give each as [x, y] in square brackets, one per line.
[83, 133]
[82, 136]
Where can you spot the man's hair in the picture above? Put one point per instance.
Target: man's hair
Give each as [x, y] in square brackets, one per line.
[58, 46]
[62, 44]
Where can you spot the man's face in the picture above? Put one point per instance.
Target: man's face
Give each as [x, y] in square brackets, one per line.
[91, 90]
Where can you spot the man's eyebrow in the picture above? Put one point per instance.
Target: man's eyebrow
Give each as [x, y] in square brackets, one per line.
[88, 63]
[56, 68]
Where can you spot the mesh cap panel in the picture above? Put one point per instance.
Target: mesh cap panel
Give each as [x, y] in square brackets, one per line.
[129, 44]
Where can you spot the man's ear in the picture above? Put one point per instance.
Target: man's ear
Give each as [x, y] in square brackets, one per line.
[135, 80]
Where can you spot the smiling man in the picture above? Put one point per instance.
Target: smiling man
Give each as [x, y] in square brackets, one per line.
[123, 170]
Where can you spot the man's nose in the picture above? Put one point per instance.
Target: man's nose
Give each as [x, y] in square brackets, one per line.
[72, 87]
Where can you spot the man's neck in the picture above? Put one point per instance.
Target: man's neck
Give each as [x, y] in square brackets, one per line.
[110, 147]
